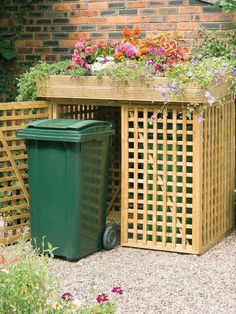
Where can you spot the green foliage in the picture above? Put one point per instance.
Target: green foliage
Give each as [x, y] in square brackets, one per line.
[215, 44]
[27, 81]
[25, 283]
[129, 70]
[228, 5]
[8, 51]
[202, 73]
[27, 287]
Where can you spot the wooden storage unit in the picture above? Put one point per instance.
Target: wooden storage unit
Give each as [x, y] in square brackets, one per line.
[178, 186]
[177, 171]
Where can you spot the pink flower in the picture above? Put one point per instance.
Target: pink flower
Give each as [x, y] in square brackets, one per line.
[117, 290]
[128, 49]
[79, 45]
[89, 50]
[102, 298]
[159, 67]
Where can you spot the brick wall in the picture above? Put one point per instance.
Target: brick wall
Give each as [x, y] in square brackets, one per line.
[52, 27]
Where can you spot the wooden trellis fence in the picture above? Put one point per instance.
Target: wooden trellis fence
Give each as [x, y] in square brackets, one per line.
[14, 199]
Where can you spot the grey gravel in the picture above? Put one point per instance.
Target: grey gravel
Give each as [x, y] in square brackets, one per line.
[157, 282]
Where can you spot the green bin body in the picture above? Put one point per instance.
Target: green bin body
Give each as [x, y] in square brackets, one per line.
[68, 170]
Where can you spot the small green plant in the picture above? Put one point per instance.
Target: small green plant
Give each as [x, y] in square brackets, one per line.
[25, 282]
[27, 81]
[27, 287]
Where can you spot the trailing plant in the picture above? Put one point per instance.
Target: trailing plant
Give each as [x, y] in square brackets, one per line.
[27, 81]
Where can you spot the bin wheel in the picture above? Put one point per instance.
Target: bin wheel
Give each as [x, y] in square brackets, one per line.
[110, 238]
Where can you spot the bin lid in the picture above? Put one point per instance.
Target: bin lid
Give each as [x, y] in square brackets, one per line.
[70, 124]
[66, 130]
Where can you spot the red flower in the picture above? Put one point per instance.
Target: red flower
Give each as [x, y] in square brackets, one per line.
[102, 298]
[6, 263]
[127, 32]
[67, 296]
[136, 32]
[117, 290]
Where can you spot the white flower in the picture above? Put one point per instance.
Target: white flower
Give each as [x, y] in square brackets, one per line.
[98, 67]
[1, 226]
[76, 303]
[6, 271]
[1, 222]
[110, 58]
[100, 59]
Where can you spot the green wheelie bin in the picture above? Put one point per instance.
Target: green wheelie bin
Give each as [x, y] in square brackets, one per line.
[68, 170]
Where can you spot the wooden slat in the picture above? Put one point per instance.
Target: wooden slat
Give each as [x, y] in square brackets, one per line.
[124, 174]
[199, 175]
[174, 206]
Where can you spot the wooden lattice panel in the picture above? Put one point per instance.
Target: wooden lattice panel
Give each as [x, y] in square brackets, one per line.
[81, 110]
[14, 199]
[162, 178]
[113, 114]
[76, 111]
[218, 173]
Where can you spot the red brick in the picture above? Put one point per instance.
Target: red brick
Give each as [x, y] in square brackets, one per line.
[89, 13]
[62, 6]
[136, 4]
[117, 19]
[215, 17]
[194, 9]
[98, 5]
[33, 43]
[68, 43]
[98, 20]
[74, 35]
[79, 20]
[138, 19]
[187, 26]
[7, 22]
[165, 26]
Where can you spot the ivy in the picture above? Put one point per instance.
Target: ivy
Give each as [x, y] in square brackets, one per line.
[8, 51]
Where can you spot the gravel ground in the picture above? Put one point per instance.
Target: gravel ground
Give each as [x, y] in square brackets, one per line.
[158, 282]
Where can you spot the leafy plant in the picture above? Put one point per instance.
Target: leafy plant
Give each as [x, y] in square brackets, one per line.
[228, 5]
[208, 44]
[8, 52]
[27, 81]
[26, 285]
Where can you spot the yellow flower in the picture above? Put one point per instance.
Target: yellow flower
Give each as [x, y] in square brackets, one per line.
[56, 306]
[24, 290]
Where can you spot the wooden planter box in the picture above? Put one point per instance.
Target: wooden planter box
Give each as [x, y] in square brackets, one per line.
[177, 173]
[104, 88]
